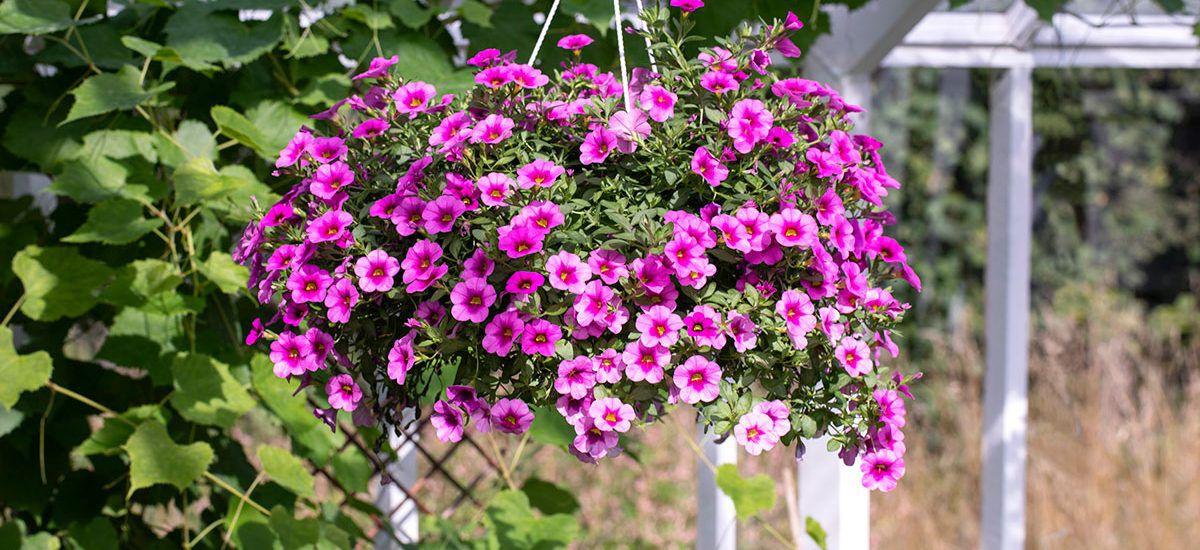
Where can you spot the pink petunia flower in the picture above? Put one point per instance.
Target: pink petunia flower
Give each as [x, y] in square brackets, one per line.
[291, 354]
[492, 130]
[611, 415]
[511, 416]
[703, 325]
[451, 131]
[645, 363]
[401, 358]
[340, 299]
[608, 366]
[794, 228]
[322, 345]
[478, 266]
[413, 98]
[521, 240]
[295, 150]
[539, 338]
[371, 128]
[659, 327]
[718, 82]
[749, 123]
[309, 284]
[659, 102]
[630, 127]
[447, 420]
[528, 77]
[608, 265]
[574, 42]
[687, 5]
[376, 271]
[440, 213]
[778, 412]
[597, 145]
[378, 67]
[327, 149]
[540, 216]
[881, 470]
[494, 77]
[484, 58]
[471, 299]
[743, 331]
[494, 188]
[344, 394]
[854, 355]
[409, 216]
[891, 407]
[576, 377]
[708, 167]
[755, 433]
[524, 282]
[697, 379]
[797, 311]
[567, 272]
[329, 226]
[420, 265]
[502, 332]
[591, 441]
[539, 173]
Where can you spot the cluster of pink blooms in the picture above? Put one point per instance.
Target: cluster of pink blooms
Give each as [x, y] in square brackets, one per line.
[428, 229]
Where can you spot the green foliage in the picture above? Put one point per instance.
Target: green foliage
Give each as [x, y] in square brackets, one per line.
[205, 392]
[286, 470]
[518, 526]
[109, 92]
[58, 282]
[813, 529]
[21, 373]
[154, 458]
[750, 495]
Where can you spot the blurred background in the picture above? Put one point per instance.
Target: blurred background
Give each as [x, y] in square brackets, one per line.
[1114, 360]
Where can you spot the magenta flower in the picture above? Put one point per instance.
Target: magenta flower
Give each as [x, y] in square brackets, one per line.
[708, 167]
[881, 470]
[597, 145]
[330, 178]
[484, 58]
[539, 338]
[478, 266]
[608, 265]
[684, 254]
[794, 228]
[327, 149]
[630, 127]
[528, 77]
[608, 366]
[502, 332]
[697, 380]
[494, 77]
[778, 412]
[284, 257]
[430, 311]
[611, 415]
[420, 266]
[329, 226]
[797, 311]
[370, 128]
[576, 377]
[451, 131]
[854, 355]
[891, 407]
[757, 225]
[573, 410]
[567, 272]
[658, 101]
[521, 240]
[755, 432]
[541, 216]
[378, 68]
[749, 123]
[659, 327]
[703, 325]
[322, 344]
[440, 213]
[344, 394]
[687, 5]
[718, 82]
[829, 207]
[376, 271]
[644, 362]
[447, 420]
[408, 216]
[340, 300]
[593, 302]
[574, 42]
[295, 149]
[759, 61]
[412, 98]
[309, 284]
[591, 441]
[494, 188]
[291, 354]
[492, 129]
[401, 358]
[743, 331]
[539, 173]
[471, 299]
[524, 282]
[511, 416]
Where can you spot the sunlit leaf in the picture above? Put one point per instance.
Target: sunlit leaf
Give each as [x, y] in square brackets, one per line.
[20, 373]
[59, 282]
[155, 458]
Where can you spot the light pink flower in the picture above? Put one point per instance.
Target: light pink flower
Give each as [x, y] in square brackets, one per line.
[718, 82]
[528, 77]
[376, 271]
[644, 362]
[708, 167]
[511, 416]
[609, 365]
[329, 226]
[611, 415]
[494, 188]
[344, 394]
[881, 470]
[659, 327]
[502, 332]
[743, 331]
[576, 377]
[794, 228]
[630, 128]
[401, 358]
[697, 379]
[574, 42]
[567, 272]
[447, 422]
[291, 354]
[492, 129]
[440, 213]
[539, 338]
[749, 123]
[591, 441]
[471, 299]
[340, 299]
[703, 324]
[608, 265]
[521, 240]
[891, 407]
[658, 101]
[371, 128]
[539, 173]
[854, 355]
[597, 145]
[755, 433]
[778, 412]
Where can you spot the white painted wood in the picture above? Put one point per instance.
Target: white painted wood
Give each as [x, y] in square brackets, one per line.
[832, 493]
[716, 519]
[858, 40]
[405, 520]
[1009, 230]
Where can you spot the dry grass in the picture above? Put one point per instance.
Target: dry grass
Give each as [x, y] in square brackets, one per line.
[1114, 449]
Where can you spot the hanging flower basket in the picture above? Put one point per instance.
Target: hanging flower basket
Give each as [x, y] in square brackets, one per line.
[594, 246]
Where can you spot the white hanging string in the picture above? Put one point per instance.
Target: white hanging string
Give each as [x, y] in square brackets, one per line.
[542, 37]
[649, 52]
[621, 53]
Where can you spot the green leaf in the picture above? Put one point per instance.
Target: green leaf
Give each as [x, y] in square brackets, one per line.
[98, 534]
[169, 56]
[34, 16]
[277, 123]
[224, 272]
[1046, 8]
[292, 532]
[202, 35]
[410, 13]
[374, 20]
[287, 470]
[114, 432]
[206, 393]
[191, 140]
[197, 181]
[114, 221]
[476, 12]
[750, 495]
[325, 89]
[58, 281]
[550, 428]
[422, 59]
[92, 179]
[516, 525]
[20, 373]
[549, 498]
[104, 93]
[154, 458]
[815, 532]
[10, 420]
[238, 127]
[119, 144]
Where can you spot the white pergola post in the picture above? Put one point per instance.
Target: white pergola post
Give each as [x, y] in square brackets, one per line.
[716, 519]
[1006, 281]
[405, 520]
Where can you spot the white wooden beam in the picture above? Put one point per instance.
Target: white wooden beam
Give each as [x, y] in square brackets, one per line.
[404, 520]
[716, 518]
[858, 40]
[1009, 230]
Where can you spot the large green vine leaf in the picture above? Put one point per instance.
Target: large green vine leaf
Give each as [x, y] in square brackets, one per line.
[517, 526]
[201, 34]
[59, 282]
[104, 93]
[114, 221]
[34, 16]
[206, 393]
[750, 495]
[155, 458]
[20, 373]
[287, 470]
